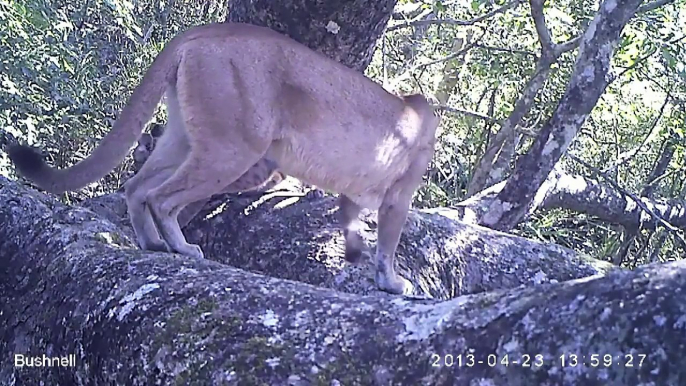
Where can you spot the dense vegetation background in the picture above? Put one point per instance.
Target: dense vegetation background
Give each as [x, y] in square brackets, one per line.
[66, 68]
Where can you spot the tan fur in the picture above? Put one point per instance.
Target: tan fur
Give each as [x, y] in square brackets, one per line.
[261, 176]
[237, 93]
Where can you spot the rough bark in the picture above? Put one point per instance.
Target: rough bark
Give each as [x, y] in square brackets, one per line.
[587, 83]
[71, 284]
[296, 237]
[660, 167]
[344, 31]
[494, 165]
[583, 195]
[593, 198]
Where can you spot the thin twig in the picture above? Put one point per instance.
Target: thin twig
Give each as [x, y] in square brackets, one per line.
[393, 83]
[467, 113]
[473, 21]
[654, 5]
[504, 49]
[622, 158]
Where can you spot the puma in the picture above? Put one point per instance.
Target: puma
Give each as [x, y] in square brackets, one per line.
[261, 176]
[237, 93]
[145, 146]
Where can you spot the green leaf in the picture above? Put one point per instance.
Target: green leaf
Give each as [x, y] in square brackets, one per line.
[669, 57]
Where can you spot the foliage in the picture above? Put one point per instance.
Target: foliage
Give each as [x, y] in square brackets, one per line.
[67, 67]
[649, 63]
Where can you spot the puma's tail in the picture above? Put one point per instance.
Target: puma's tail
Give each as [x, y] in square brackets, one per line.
[115, 145]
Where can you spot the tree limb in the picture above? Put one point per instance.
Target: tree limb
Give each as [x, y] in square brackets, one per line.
[653, 215]
[547, 45]
[611, 204]
[69, 285]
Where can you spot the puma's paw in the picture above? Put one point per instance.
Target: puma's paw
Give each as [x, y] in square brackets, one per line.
[192, 250]
[394, 283]
[157, 246]
[153, 244]
[355, 249]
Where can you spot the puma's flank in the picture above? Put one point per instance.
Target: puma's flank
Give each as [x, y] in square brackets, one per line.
[237, 93]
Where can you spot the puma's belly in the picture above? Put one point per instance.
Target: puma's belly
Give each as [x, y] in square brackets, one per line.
[364, 173]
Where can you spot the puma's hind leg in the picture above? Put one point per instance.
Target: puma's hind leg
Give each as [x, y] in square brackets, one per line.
[200, 176]
[226, 134]
[169, 151]
[259, 176]
[141, 222]
[158, 168]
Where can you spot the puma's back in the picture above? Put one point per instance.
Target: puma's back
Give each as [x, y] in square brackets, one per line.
[328, 124]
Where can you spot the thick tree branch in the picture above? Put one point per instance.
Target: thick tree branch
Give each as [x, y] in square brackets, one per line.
[609, 203]
[69, 285]
[655, 217]
[441, 257]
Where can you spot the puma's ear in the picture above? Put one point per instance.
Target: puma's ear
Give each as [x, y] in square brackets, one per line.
[156, 130]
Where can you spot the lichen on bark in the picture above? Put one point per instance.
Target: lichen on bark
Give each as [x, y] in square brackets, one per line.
[73, 282]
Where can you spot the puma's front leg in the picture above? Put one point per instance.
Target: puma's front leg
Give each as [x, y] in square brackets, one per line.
[348, 212]
[392, 216]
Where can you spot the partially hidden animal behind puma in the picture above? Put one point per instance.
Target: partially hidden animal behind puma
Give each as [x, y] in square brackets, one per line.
[262, 176]
[146, 144]
[238, 93]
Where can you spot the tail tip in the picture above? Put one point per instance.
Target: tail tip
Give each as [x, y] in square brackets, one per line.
[26, 159]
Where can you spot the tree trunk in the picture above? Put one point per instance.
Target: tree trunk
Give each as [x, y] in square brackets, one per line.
[587, 83]
[345, 31]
